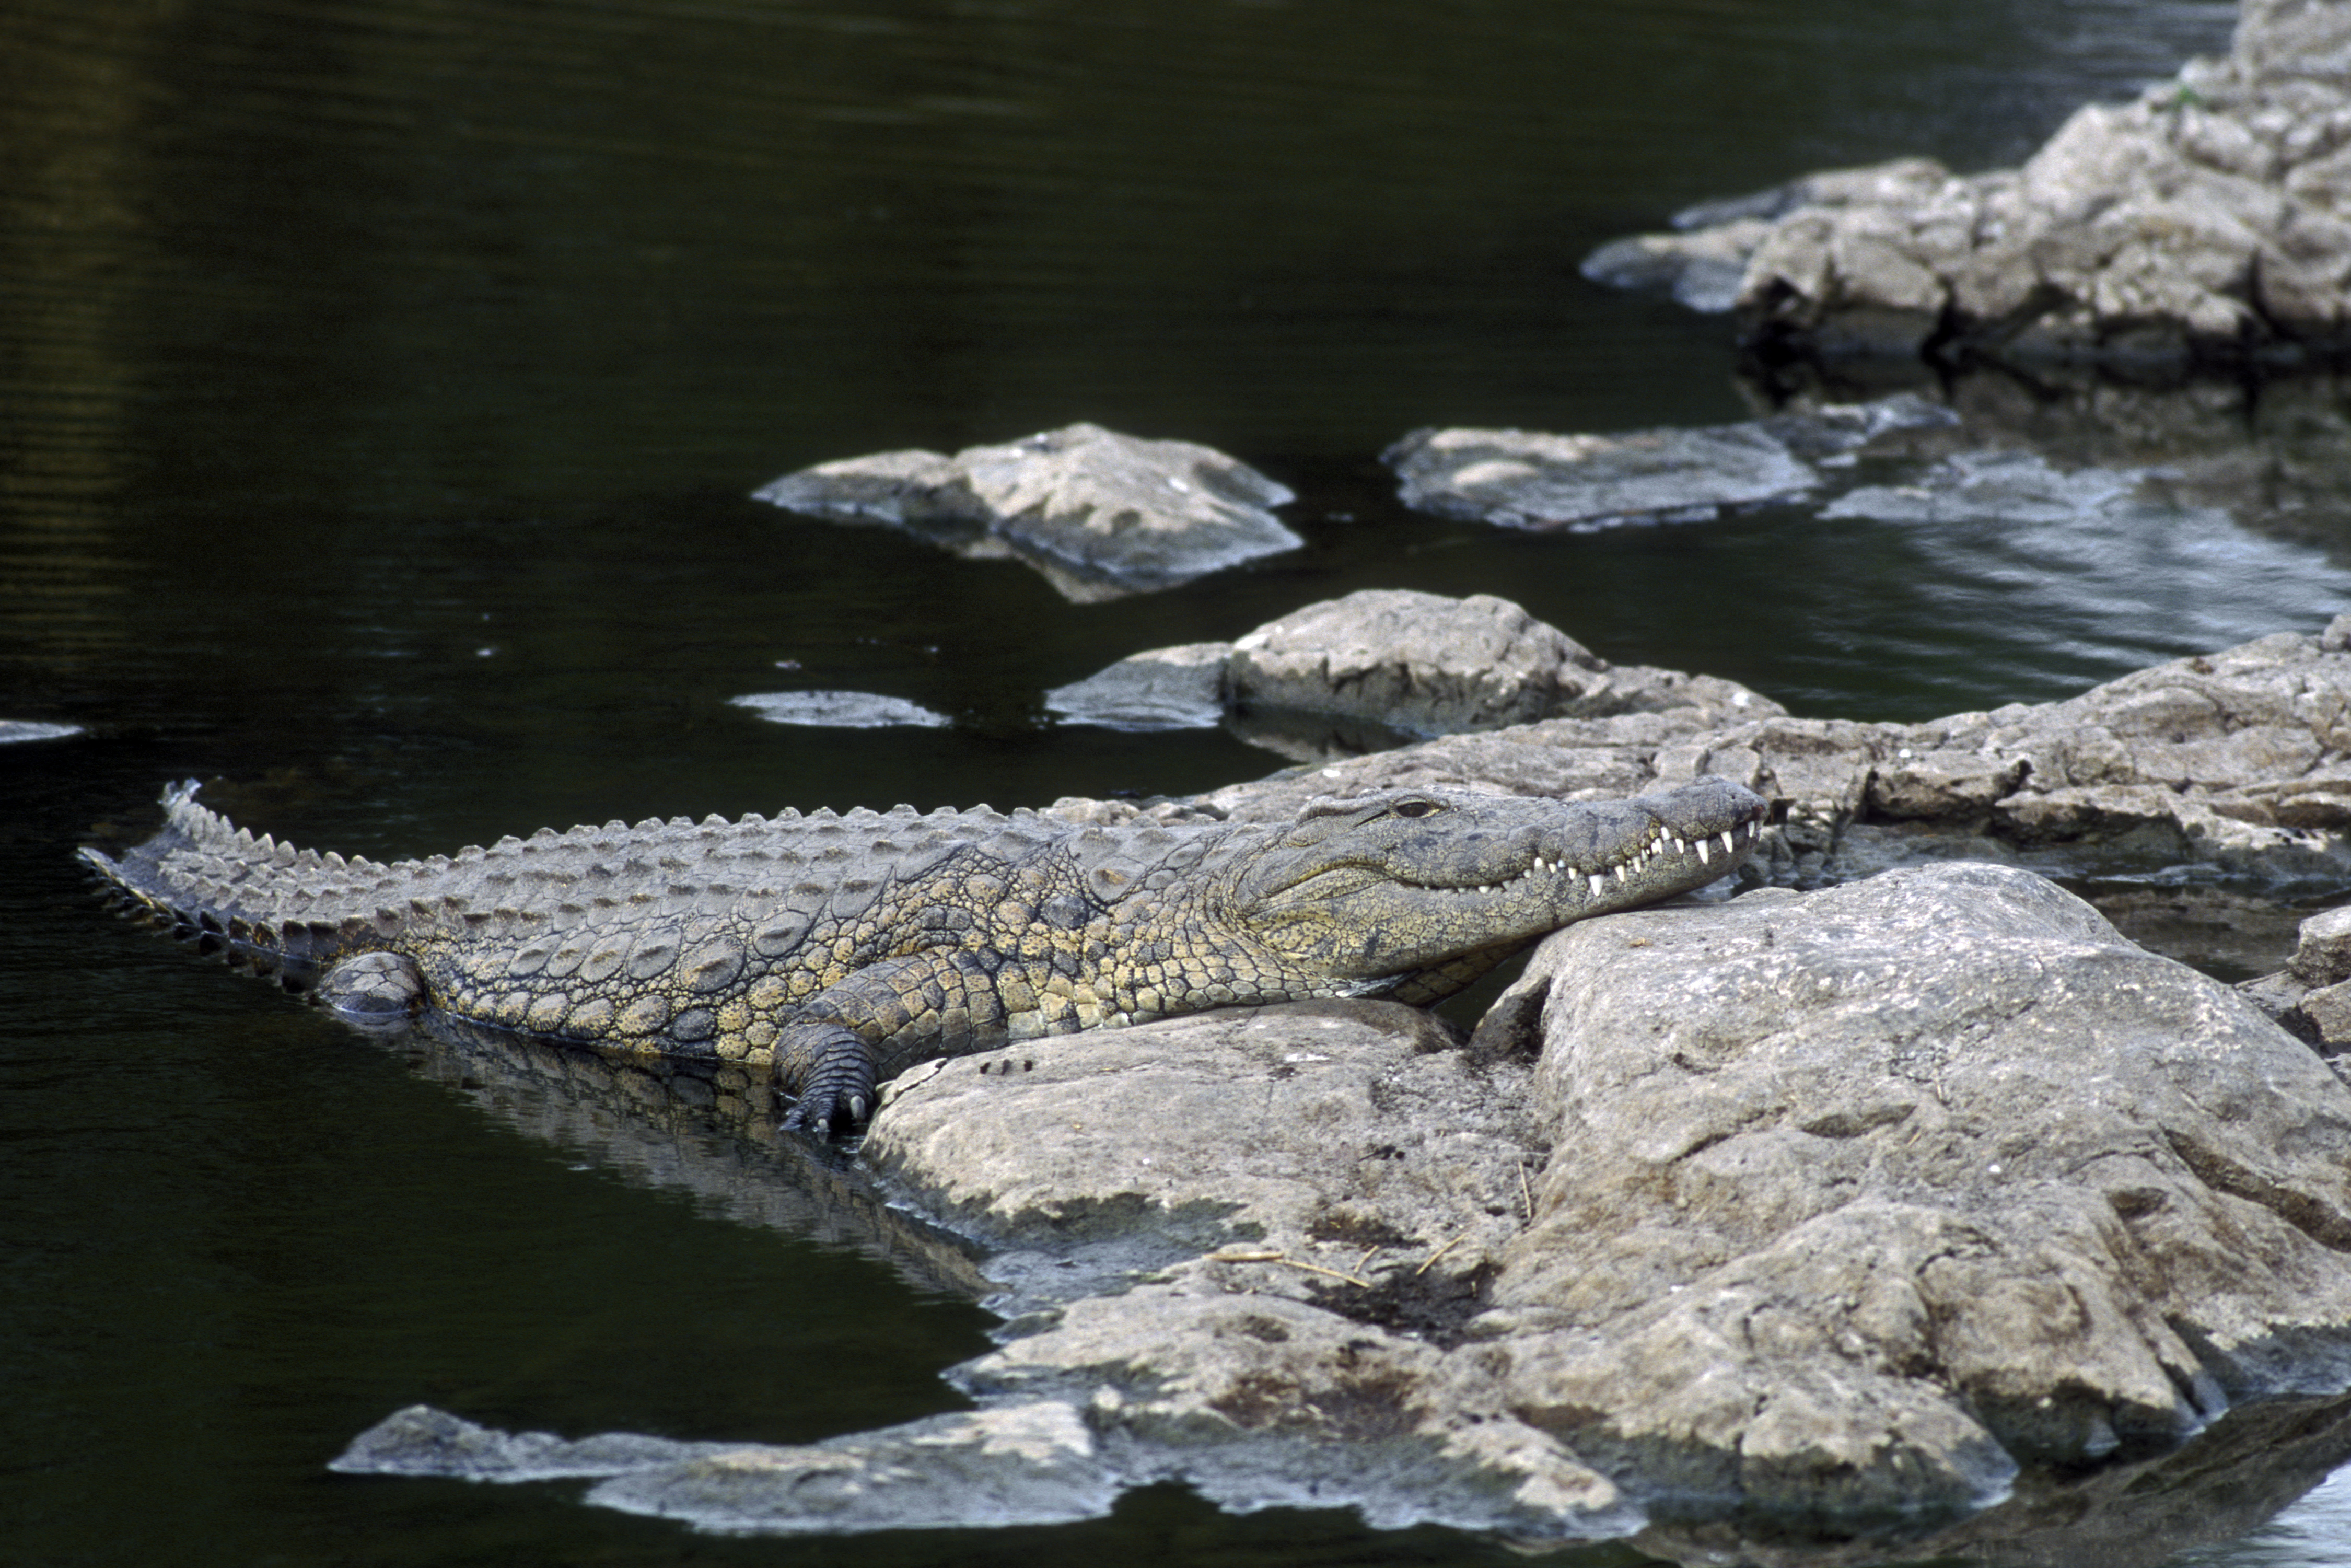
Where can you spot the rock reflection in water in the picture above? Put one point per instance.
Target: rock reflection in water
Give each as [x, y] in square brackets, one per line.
[2249, 1466]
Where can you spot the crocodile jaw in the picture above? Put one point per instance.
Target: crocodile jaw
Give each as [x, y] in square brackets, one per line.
[1376, 903]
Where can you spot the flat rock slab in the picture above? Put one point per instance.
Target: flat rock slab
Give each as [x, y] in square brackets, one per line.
[1549, 483]
[1030, 1464]
[840, 710]
[1100, 514]
[24, 729]
[1161, 688]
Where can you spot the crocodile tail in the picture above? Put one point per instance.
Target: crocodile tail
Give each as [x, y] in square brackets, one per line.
[261, 905]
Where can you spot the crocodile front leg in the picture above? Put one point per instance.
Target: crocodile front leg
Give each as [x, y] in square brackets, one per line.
[877, 1023]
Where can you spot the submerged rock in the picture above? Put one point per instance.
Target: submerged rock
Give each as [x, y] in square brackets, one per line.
[1528, 479]
[1099, 514]
[1033, 1464]
[2209, 219]
[1162, 688]
[22, 729]
[838, 710]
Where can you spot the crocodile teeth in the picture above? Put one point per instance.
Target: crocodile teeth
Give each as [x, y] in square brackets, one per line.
[1681, 846]
[1599, 885]
[1703, 858]
[1620, 876]
[1728, 847]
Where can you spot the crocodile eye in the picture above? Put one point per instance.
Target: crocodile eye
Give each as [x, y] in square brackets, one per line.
[1417, 808]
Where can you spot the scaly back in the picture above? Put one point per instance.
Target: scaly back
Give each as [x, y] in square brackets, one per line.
[290, 911]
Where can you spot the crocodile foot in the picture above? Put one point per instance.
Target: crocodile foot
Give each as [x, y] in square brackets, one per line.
[380, 989]
[830, 1069]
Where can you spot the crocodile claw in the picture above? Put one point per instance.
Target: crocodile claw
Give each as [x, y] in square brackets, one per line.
[830, 1114]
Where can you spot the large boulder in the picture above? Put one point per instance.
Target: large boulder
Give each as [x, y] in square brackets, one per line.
[1099, 514]
[1877, 1194]
[2210, 218]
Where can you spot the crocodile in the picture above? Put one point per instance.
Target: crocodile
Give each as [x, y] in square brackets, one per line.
[831, 952]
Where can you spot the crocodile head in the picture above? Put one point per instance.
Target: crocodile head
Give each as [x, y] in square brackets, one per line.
[1423, 891]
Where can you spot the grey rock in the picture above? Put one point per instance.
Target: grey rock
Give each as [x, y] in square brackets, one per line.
[422, 1441]
[1418, 661]
[2225, 764]
[838, 710]
[1163, 688]
[2310, 995]
[1379, 667]
[1926, 1213]
[1295, 1273]
[1029, 1464]
[1528, 479]
[1703, 271]
[1820, 1168]
[2205, 220]
[2322, 954]
[1100, 514]
[1844, 1176]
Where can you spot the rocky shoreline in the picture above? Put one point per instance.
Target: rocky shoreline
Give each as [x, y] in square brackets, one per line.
[2207, 223]
[2235, 764]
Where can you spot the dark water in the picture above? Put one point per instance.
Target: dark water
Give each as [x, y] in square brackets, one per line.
[382, 386]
